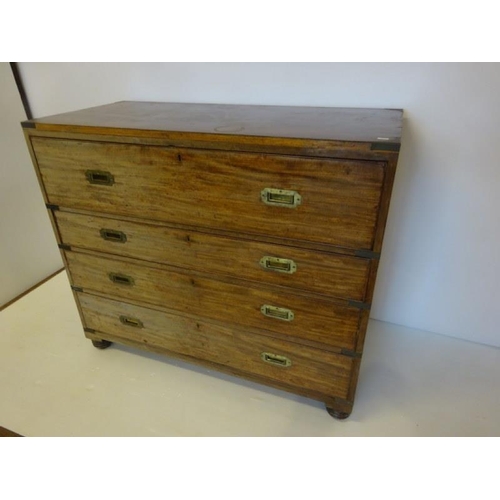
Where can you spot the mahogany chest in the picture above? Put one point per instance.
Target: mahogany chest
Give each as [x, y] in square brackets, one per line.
[243, 238]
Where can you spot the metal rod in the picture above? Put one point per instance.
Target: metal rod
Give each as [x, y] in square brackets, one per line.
[22, 91]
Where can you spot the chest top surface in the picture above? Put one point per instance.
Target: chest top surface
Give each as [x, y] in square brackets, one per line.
[316, 123]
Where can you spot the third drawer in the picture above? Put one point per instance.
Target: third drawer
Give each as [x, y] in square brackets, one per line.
[308, 320]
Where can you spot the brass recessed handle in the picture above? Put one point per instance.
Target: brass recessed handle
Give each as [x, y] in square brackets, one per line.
[112, 235]
[127, 320]
[100, 177]
[287, 266]
[276, 359]
[121, 279]
[280, 197]
[277, 312]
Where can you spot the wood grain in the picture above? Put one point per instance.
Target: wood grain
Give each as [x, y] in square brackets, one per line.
[345, 124]
[313, 369]
[288, 242]
[340, 198]
[50, 213]
[249, 144]
[390, 173]
[319, 320]
[324, 273]
[136, 344]
[187, 184]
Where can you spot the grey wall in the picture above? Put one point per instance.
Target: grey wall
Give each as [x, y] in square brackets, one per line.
[28, 249]
[440, 269]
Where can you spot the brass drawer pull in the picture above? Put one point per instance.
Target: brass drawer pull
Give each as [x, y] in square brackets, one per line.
[280, 197]
[100, 177]
[112, 235]
[277, 312]
[121, 279]
[280, 265]
[127, 320]
[275, 359]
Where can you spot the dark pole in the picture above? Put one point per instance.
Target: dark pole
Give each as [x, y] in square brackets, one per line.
[20, 87]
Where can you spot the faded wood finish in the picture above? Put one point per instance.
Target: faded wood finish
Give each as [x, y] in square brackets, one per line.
[317, 320]
[186, 193]
[390, 172]
[134, 343]
[340, 198]
[50, 213]
[288, 242]
[340, 124]
[313, 369]
[251, 144]
[320, 272]
[63, 256]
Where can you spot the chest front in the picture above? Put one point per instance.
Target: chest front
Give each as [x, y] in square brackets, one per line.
[253, 253]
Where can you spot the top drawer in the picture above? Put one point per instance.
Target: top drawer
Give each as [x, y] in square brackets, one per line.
[318, 200]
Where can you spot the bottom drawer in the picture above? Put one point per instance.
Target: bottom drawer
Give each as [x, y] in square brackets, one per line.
[291, 364]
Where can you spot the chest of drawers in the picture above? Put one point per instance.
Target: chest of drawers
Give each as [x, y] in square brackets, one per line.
[243, 238]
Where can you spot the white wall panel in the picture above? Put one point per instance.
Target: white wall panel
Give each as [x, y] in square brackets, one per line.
[440, 268]
[28, 248]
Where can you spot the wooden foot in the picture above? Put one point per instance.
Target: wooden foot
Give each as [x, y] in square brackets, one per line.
[338, 414]
[101, 344]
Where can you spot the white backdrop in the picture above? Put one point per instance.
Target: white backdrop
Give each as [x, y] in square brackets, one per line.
[28, 249]
[440, 268]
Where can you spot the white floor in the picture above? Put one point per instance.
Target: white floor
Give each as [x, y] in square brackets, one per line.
[53, 382]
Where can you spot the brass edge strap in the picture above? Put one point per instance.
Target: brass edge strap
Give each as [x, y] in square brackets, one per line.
[367, 254]
[385, 146]
[358, 305]
[351, 354]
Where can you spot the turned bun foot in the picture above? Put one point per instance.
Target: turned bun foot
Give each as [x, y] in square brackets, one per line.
[101, 344]
[338, 414]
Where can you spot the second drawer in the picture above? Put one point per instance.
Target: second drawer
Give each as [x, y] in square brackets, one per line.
[320, 272]
[313, 320]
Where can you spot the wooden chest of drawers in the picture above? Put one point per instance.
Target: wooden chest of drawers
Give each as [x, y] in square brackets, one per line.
[244, 238]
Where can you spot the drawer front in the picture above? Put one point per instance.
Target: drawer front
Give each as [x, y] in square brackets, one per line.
[295, 365]
[337, 200]
[320, 272]
[297, 317]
